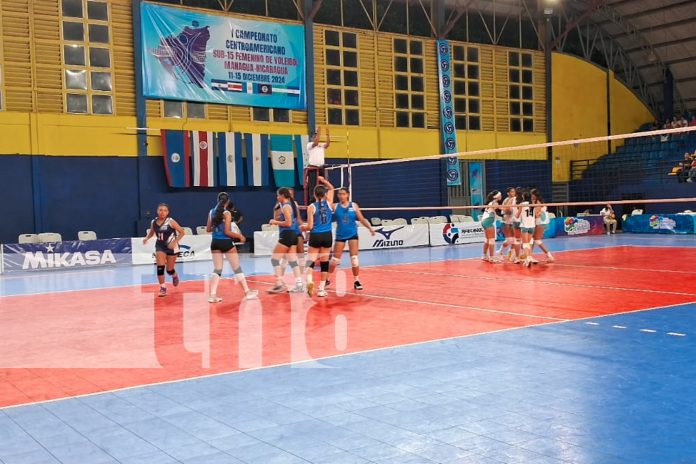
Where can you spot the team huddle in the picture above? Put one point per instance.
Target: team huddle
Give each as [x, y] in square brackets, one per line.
[289, 252]
[523, 226]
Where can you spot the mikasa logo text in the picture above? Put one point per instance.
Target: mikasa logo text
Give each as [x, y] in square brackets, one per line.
[53, 260]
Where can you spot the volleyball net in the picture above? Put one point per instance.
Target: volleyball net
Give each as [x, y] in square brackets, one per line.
[631, 171]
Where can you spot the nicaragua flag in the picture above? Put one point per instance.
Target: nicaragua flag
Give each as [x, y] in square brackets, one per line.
[203, 159]
[258, 174]
[230, 160]
[301, 142]
[283, 161]
[176, 151]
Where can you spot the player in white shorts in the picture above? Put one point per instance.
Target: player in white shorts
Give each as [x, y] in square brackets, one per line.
[508, 224]
[488, 223]
[527, 226]
[541, 223]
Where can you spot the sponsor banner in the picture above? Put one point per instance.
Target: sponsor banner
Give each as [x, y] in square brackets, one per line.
[456, 234]
[659, 224]
[574, 226]
[396, 236]
[447, 127]
[65, 255]
[475, 169]
[191, 248]
[219, 59]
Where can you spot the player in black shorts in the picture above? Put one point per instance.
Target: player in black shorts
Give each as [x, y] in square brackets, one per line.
[169, 233]
[319, 216]
[224, 231]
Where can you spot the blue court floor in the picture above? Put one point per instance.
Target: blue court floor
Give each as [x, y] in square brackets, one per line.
[614, 389]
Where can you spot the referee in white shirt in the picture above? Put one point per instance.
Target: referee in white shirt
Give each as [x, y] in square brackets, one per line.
[316, 152]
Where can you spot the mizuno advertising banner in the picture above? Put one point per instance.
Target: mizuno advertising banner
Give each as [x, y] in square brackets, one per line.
[199, 57]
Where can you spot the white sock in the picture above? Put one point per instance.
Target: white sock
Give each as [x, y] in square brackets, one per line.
[214, 282]
[242, 280]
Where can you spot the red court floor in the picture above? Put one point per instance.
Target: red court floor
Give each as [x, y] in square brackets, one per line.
[66, 344]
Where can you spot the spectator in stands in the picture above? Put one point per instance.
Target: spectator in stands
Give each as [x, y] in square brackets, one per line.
[683, 168]
[683, 122]
[609, 219]
[693, 121]
[692, 171]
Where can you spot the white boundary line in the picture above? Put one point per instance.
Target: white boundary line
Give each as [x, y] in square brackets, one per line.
[373, 350]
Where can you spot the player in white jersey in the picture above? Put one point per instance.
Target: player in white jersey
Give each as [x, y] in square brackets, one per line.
[541, 223]
[527, 224]
[508, 220]
[488, 223]
[516, 226]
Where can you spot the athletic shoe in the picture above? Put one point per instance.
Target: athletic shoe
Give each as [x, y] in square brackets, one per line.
[533, 261]
[298, 288]
[175, 280]
[251, 295]
[280, 288]
[549, 258]
[310, 288]
[214, 299]
[328, 282]
[322, 293]
[162, 292]
[485, 258]
[357, 285]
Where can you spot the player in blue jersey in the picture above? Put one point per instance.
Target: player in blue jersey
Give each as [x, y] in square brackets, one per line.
[319, 218]
[347, 214]
[169, 233]
[224, 231]
[288, 227]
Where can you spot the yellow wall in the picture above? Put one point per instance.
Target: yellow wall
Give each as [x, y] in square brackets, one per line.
[580, 110]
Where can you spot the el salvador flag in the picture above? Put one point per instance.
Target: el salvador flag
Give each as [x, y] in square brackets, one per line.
[230, 160]
[283, 161]
[257, 159]
[301, 142]
[176, 151]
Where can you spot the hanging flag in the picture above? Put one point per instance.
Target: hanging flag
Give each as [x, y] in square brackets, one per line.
[203, 159]
[301, 142]
[257, 159]
[176, 151]
[447, 126]
[282, 159]
[230, 159]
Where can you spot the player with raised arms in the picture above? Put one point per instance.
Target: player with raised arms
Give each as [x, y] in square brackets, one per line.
[169, 233]
[224, 232]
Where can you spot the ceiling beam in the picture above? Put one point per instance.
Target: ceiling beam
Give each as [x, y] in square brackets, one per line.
[315, 9]
[660, 27]
[669, 62]
[676, 81]
[648, 11]
[669, 43]
[596, 4]
[453, 22]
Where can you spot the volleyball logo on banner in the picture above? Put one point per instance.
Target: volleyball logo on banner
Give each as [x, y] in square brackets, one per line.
[448, 129]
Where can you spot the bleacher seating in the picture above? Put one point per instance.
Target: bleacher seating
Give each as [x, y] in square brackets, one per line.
[437, 220]
[187, 230]
[86, 235]
[268, 228]
[202, 230]
[50, 237]
[28, 238]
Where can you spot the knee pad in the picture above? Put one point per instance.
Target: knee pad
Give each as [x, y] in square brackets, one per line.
[275, 262]
[238, 270]
[218, 272]
[527, 246]
[160, 270]
[324, 266]
[292, 264]
[336, 261]
[539, 242]
[171, 271]
[354, 261]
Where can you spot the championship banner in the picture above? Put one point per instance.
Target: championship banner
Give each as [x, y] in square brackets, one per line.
[191, 248]
[447, 127]
[219, 59]
[397, 236]
[456, 234]
[29, 257]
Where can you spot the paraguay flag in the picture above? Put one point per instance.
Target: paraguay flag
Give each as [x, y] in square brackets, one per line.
[283, 161]
[203, 159]
[230, 160]
[301, 142]
[257, 159]
[176, 151]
